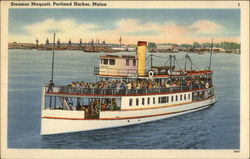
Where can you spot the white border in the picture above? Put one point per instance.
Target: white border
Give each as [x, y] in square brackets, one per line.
[244, 111]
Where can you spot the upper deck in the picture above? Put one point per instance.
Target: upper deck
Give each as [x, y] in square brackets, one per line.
[138, 86]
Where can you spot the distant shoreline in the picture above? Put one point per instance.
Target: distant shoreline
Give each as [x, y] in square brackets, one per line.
[131, 52]
[113, 48]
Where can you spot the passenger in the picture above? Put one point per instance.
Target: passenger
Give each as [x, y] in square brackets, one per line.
[109, 106]
[129, 85]
[114, 105]
[73, 84]
[133, 85]
[138, 86]
[90, 85]
[113, 84]
[118, 85]
[153, 84]
[82, 85]
[202, 82]
[174, 85]
[150, 85]
[167, 85]
[97, 107]
[109, 85]
[158, 85]
[105, 85]
[104, 106]
[188, 84]
[77, 84]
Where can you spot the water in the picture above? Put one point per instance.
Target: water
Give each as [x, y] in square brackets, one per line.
[214, 128]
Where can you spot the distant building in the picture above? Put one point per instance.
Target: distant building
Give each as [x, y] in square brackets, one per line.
[80, 43]
[92, 42]
[164, 47]
[216, 49]
[58, 43]
[15, 45]
[69, 44]
[47, 42]
[37, 42]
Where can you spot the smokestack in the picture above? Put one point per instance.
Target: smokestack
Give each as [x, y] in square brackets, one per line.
[141, 56]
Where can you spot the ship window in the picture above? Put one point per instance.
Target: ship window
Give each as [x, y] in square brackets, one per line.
[112, 62]
[172, 98]
[184, 96]
[143, 100]
[137, 101]
[148, 100]
[159, 99]
[105, 61]
[154, 100]
[167, 99]
[134, 62]
[163, 99]
[188, 96]
[130, 102]
[181, 97]
[176, 97]
[127, 62]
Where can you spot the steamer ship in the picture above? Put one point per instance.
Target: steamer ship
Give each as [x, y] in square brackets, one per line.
[127, 93]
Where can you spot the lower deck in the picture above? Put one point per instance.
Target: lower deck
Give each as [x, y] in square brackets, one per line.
[117, 107]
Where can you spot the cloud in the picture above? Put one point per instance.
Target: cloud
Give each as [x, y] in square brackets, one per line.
[206, 26]
[60, 25]
[170, 28]
[131, 30]
[168, 31]
[65, 29]
[134, 25]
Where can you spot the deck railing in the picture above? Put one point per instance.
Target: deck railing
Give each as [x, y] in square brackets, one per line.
[114, 91]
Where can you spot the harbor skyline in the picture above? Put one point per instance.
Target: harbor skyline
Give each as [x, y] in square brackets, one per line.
[153, 25]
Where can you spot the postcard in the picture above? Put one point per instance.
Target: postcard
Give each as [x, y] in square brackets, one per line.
[124, 79]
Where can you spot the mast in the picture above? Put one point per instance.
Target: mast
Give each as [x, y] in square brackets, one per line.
[174, 60]
[185, 67]
[52, 66]
[170, 70]
[51, 84]
[210, 60]
[151, 61]
[120, 40]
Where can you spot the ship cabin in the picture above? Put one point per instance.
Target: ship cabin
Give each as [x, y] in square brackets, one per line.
[119, 66]
[125, 84]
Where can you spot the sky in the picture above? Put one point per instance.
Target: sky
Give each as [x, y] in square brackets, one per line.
[152, 25]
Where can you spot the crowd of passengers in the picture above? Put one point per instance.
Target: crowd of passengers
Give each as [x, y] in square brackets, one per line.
[143, 83]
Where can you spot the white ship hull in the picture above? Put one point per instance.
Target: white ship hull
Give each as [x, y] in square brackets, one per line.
[62, 121]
